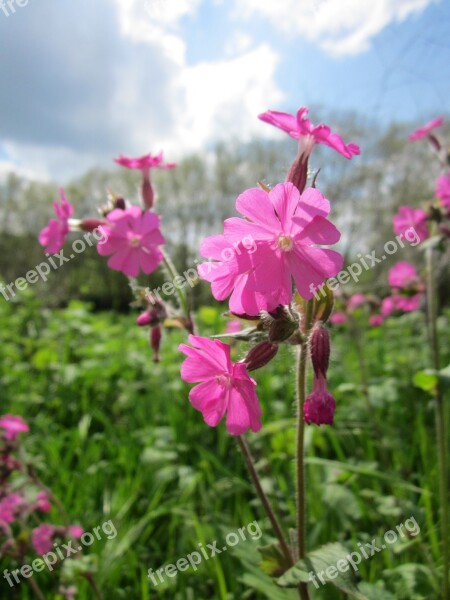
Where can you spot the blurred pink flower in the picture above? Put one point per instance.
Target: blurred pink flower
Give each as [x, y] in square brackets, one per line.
[320, 406]
[42, 538]
[301, 128]
[376, 320]
[43, 502]
[338, 318]
[233, 326]
[285, 229]
[411, 219]
[402, 275]
[9, 506]
[225, 387]
[147, 161]
[422, 132]
[355, 301]
[132, 238]
[53, 236]
[443, 190]
[75, 531]
[397, 302]
[13, 425]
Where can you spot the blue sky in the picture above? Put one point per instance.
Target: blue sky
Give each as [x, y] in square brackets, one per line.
[82, 82]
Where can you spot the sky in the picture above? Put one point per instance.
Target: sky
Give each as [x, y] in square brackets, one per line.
[84, 81]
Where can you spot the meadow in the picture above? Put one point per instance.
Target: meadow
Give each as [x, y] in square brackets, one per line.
[113, 436]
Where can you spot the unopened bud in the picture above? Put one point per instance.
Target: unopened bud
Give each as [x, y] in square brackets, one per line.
[147, 190]
[90, 224]
[298, 173]
[120, 203]
[282, 330]
[320, 350]
[260, 355]
[143, 319]
[155, 341]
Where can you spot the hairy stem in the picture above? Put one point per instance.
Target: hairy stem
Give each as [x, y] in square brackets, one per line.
[249, 461]
[302, 355]
[440, 417]
[182, 296]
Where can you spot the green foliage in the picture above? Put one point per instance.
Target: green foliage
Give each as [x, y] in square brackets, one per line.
[114, 436]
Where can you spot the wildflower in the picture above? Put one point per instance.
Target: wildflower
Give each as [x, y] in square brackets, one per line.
[403, 275]
[285, 228]
[338, 318]
[75, 531]
[422, 132]
[132, 238]
[301, 128]
[225, 387]
[43, 502]
[13, 425]
[42, 538]
[53, 236]
[9, 506]
[319, 406]
[409, 218]
[443, 190]
[145, 164]
[356, 301]
[376, 320]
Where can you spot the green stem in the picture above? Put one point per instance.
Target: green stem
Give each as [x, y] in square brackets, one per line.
[441, 433]
[302, 355]
[249, 461]
[184, 302]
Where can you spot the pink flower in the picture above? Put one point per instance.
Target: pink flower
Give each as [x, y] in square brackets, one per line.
[132, 238]
[75, 531]
[402, 275]
[422, 132]
[338, 318]
[233, 326]
[42, 538]
[443, 190]
[408, 220]
[144, 164]
[147, 161]
[409, 303]
[53, 236]
[284, 228]
[320, 406]
[43, 502]
[376, 320]
[9, 506]
[355, 301]
[400, 303]
[301, 128]
[13, 425]
[225, 387]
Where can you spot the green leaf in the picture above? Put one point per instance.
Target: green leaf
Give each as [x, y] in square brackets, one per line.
[321, 564]
[273, 562]
[375, 592]
[426, 380]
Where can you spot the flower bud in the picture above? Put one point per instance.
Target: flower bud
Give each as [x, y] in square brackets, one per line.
[143, 319]
[120, 203]
[320, 350]
[260, 355]
[155, 341]
[298, 173]
[90, 224]
[319, 406]
[147, 190]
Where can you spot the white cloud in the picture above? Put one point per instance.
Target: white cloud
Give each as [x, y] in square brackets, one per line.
[223, 98]
[341, 27]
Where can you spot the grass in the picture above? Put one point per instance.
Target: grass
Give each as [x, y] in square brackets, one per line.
[113, 435]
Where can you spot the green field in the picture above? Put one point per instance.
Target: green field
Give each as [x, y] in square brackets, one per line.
[114, 437]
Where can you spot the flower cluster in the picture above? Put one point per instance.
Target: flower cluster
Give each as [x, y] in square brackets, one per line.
[23, 499]
[131, 235]
[266, 262]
